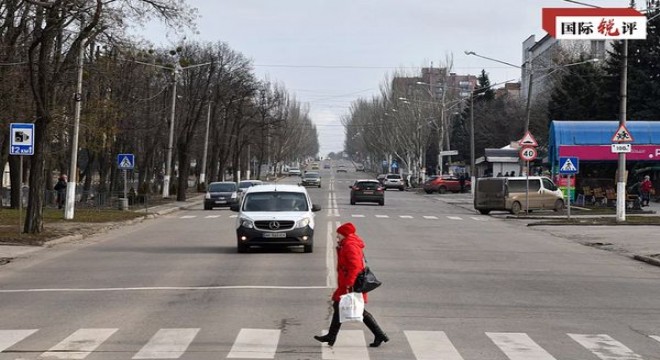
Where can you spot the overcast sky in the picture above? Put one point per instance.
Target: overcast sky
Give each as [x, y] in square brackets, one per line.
[331, 52]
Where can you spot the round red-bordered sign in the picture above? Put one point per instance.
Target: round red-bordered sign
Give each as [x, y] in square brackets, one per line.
[528, 153]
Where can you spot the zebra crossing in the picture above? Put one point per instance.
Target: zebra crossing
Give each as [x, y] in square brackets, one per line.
[252, 343]
[377, 216]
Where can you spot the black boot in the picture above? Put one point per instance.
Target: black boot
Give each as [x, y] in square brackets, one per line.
[379, 334]
[331, 336]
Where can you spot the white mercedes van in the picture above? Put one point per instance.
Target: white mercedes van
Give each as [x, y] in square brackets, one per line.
[275, 215]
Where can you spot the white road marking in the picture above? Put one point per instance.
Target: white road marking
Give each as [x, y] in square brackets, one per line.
[212, 216]
[605, 347]
[432, 345]
[79, 344]
[357, 216]
[479, 218]
[167, 344]
[519, 346]
[255, 344]
[431, 217]
[330, 267]
[405, 216]
[233, 216]
[188, 216]
[10, 337]
[350, 345]
[655, 337]
[165, 288]
[382, 216]
[454, 217]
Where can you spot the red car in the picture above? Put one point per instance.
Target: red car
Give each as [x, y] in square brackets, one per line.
[445, 183]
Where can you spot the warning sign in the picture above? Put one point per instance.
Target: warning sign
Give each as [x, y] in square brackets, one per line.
[622, 135]
[528, 140]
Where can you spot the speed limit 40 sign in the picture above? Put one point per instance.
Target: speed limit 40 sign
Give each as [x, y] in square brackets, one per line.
[528, 153]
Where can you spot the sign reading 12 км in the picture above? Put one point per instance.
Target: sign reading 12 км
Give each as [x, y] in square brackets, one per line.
[594, 23]
[21, 140]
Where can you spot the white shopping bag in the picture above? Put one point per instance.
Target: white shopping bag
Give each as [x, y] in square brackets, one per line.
[351, 307]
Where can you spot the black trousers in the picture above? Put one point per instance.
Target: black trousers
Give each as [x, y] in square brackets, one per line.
[368, 320]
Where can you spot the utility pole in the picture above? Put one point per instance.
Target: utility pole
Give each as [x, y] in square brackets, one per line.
[168, 162]
[473, 169]
[73, 171]
[202, 175]
[621, 171]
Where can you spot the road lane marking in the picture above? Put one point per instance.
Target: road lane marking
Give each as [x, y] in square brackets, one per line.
[382, 216]
[330, 267]
[255, 344]
[605, 347]
[405, 216]
[479, 218]
[357, 216]
[233, 216]
[655, 337]
[431, 217]
[454, 218]
[10, 337]
[164, 288]
[167, 344]
[212, 216]
[519, 346]
[432, 345]
[79, 344]
[188, 216]
[350, 344]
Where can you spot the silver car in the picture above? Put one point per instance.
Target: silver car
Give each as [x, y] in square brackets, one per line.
[394, 181]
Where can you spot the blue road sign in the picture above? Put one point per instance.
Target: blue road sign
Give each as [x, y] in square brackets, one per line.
[21, 139]
[126, 161]
[569, 165]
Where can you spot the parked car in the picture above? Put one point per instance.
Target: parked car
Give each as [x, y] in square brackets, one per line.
[394, 181]
[511, 194]
[275, 215]
[311, 178]
[224, 193]
[367, 191]
[444, 183]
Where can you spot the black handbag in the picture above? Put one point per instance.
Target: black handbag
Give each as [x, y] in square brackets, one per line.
[366, 280]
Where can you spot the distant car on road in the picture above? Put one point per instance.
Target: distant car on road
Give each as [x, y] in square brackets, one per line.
[245, 184]
[223, 193]
[311, 178]
[381, 178]
[294, 171]
[326, 166]
[342, 168]
[367, 191]
[359, 167]
[443, 183]
[394, 181]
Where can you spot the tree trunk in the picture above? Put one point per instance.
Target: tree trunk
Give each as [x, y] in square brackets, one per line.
[34, 222]
[14, 178]
[184, 169]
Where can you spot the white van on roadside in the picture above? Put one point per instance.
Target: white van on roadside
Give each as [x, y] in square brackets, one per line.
[510, 194]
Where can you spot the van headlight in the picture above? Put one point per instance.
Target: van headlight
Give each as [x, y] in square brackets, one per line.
[303, 222]
[234, 195]
[207, 196]
[247, 223]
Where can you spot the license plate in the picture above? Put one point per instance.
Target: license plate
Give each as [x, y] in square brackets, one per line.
[368, 192]
[220, 202]
[274, 235]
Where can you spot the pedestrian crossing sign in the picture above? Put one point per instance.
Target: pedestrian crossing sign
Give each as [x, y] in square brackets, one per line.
[126, 161]
[569, 165]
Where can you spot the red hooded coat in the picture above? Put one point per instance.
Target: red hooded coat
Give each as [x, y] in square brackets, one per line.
[349, 260]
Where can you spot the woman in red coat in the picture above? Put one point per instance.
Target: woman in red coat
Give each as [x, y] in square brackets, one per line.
[350, 261]
[646, 190]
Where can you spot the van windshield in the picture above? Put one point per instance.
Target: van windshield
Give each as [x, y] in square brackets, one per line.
[222, 187]
[275, 201]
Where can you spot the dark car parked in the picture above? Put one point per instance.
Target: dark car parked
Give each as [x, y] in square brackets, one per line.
[367, 191]
[220, 194]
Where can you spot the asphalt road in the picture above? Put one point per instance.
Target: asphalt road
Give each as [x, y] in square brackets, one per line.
[457, 285]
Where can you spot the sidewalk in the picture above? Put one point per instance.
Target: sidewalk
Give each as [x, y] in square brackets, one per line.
[638, 242]
[8, 252]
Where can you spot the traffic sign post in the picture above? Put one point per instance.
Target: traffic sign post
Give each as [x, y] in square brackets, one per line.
[21, 142]
[569, 166]
[527, 153]
[125, 162]
[621, 137]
